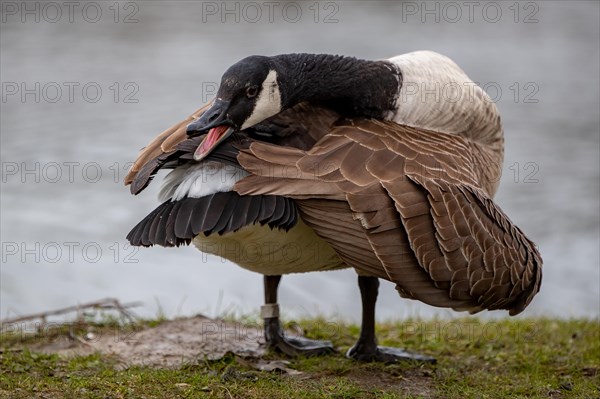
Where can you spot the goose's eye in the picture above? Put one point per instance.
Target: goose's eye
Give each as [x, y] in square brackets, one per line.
[251, 91]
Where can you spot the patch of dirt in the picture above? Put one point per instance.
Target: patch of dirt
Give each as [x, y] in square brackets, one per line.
[189, 341]
[408, 382]
[171, 344]
[417, 382]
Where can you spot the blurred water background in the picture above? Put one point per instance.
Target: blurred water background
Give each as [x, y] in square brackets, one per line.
[65, 146]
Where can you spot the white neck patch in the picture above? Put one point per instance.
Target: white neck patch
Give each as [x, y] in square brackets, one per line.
[268, 102]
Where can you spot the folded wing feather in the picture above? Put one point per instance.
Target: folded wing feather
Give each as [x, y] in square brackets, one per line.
[418, 199]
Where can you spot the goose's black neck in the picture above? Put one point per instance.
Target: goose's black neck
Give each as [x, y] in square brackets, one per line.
[347, 85]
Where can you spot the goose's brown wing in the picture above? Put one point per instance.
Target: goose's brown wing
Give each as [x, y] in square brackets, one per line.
[162, 144]
[417, 198]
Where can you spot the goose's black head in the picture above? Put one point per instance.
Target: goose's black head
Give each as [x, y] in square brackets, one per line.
[249, 93]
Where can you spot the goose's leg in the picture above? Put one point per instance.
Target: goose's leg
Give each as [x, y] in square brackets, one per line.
[274, 335]
[366, 348]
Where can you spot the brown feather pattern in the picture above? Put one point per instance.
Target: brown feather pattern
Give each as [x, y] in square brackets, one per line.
[408, 205]
[163, 143]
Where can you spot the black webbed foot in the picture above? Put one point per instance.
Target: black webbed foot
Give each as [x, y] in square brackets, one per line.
[293, 346]
[298, 346]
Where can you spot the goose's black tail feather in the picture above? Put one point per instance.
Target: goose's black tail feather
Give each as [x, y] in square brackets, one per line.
[175, 223]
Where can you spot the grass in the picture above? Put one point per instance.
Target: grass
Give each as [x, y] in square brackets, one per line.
[520, 358]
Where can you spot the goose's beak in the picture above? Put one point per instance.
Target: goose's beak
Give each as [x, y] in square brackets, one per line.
[219, 127]
[215, 136]
[215, 116]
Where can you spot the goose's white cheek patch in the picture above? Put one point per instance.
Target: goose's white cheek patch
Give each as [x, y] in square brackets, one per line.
[268, 102]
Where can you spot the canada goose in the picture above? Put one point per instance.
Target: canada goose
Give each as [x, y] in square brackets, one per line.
[412, 200]
[444, 162]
